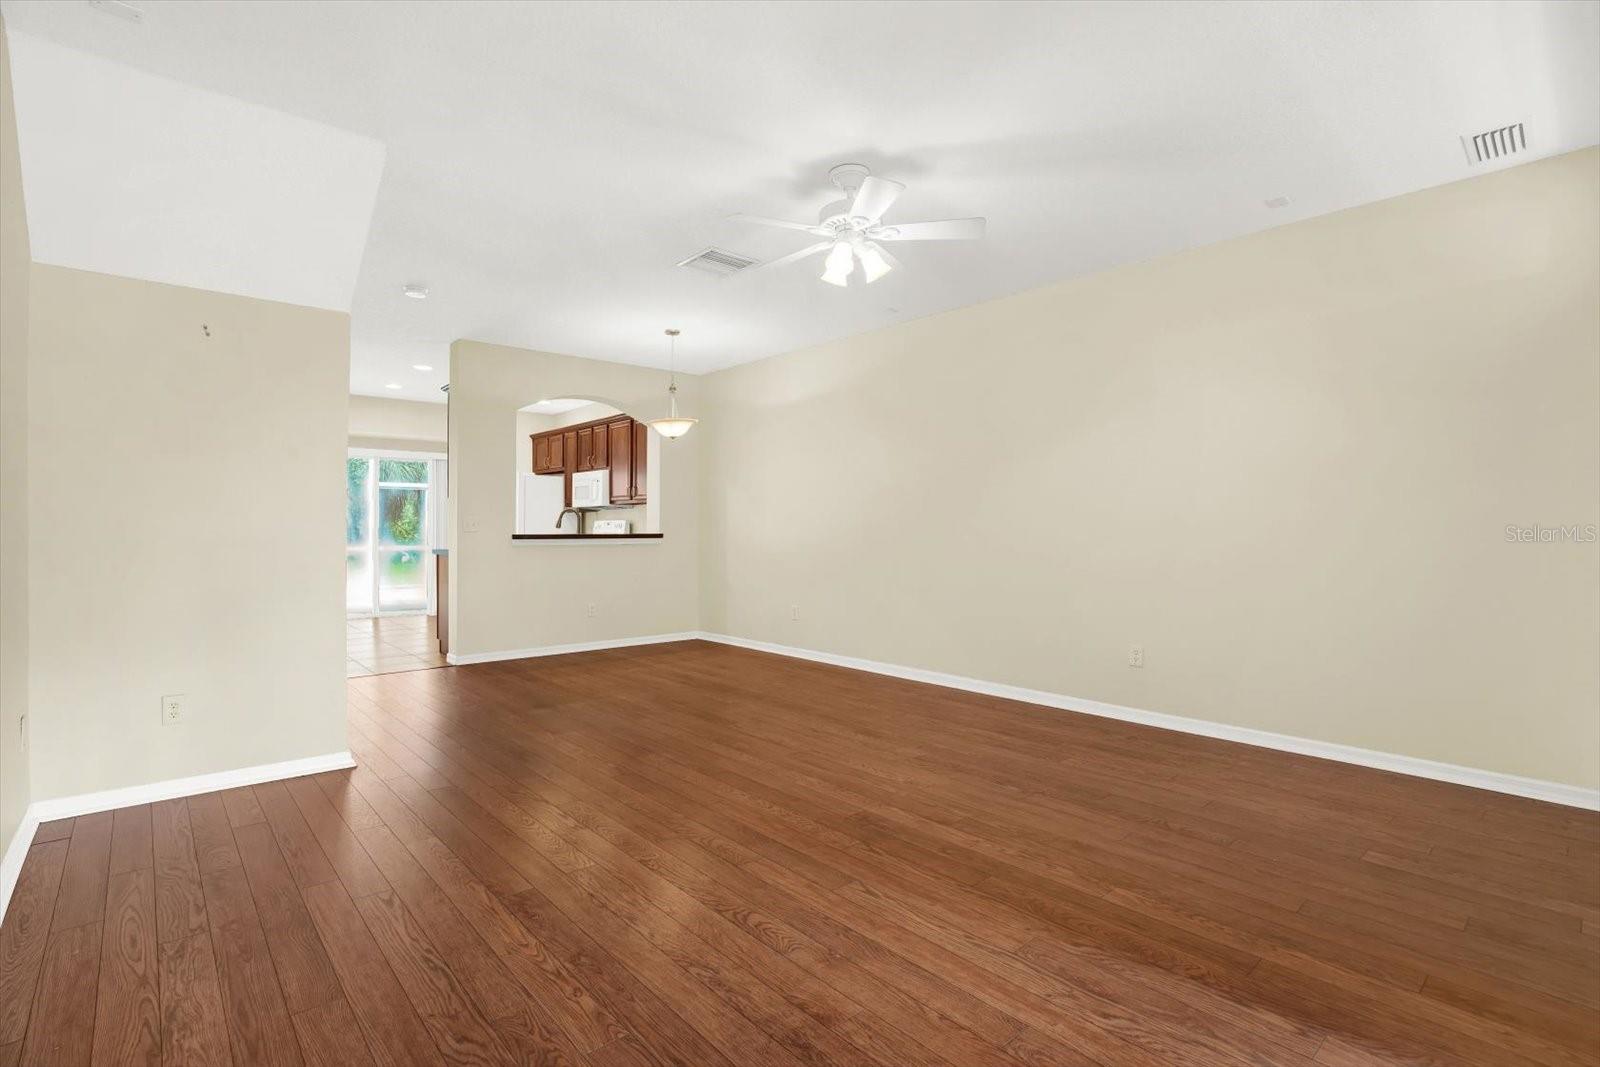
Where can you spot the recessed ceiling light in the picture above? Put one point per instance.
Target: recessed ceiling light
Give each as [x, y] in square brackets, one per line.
[392, 385]
[415, 292]
[421, 366]
[1277, 201]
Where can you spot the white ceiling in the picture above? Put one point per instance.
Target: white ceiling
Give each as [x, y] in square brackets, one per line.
[547, 164]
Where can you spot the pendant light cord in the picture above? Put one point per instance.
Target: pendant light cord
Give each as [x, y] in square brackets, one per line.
[673, 425]
[672, 361]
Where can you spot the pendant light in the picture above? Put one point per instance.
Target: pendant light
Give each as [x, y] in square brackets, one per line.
[674, 425]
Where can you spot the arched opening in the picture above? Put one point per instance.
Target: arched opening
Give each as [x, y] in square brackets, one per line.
[585, 467]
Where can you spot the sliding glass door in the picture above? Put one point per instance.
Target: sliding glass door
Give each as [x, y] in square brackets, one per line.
[387, 533]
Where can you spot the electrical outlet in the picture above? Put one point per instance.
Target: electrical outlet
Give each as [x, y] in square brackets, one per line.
[1136, 655]
[794, 612]
[470, 526]
[593, 610]
[172, 709]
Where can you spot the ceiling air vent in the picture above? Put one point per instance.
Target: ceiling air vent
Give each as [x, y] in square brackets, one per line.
[1495, 144]
[718, 261]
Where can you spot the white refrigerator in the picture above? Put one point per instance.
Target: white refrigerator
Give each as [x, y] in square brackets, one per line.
[540, 498]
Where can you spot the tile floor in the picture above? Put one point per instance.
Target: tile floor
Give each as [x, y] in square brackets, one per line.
[390, 644]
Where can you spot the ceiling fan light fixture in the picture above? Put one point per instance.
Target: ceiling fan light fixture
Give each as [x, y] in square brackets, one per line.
[852, 227]
[873, 265]
[836, 271]
[672, 425]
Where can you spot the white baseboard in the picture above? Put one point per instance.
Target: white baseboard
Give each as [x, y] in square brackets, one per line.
[88, 803]
[464, 658]
[16, 852]
[1534, 788]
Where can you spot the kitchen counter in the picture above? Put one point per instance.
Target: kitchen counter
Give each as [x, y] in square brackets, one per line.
[587, 537]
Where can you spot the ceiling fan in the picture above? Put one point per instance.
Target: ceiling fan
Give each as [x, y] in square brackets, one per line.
[852, 228]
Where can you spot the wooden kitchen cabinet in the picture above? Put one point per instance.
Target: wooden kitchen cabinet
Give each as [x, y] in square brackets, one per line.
[618, 444]
[592, 448]
[640, 459]
[441, 567]
[569, 447]
[549, 453]
[585, 459]
[620, 436]
[630, 452]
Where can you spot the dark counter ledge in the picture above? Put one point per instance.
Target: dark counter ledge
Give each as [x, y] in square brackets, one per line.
[587, 537]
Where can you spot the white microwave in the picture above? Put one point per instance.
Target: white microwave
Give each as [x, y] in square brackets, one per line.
[591, 489]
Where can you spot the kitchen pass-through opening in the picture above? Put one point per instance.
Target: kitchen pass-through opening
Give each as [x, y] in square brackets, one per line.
[586, 467]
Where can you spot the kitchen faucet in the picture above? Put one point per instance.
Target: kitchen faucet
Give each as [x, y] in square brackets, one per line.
[576, 514]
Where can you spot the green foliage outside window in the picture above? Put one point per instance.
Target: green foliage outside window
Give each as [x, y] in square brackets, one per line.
[403, 470]
[401, 511]
[355, 513]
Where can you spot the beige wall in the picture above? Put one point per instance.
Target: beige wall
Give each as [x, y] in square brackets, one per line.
[183, 542]
[402, 425]
[508, 595]
[14, 264]
[1284, 465]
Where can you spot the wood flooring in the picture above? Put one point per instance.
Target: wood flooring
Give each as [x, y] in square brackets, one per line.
[698, 855]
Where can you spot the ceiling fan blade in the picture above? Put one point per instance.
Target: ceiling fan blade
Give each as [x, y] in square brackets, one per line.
[874, 198]
[809, 250]
[785, 224]
[942, 230]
